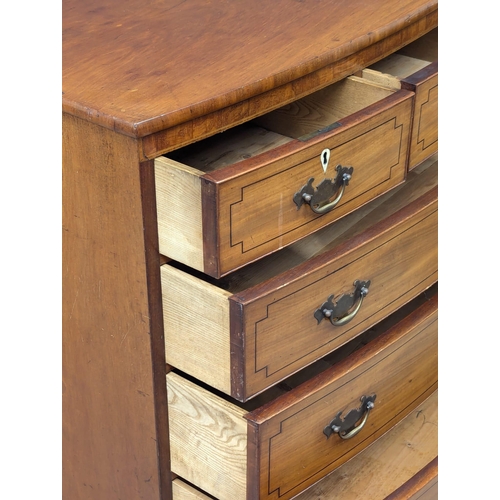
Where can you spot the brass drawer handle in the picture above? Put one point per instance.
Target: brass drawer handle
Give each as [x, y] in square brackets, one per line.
[345, 427]
[337, 312]
[319, 199]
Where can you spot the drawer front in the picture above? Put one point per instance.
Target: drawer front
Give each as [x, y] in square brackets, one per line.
[293, 449]
[424, 136]
[258, 214]
[422, 486]
[285, 329]
[259, 328]
[384, 466]
[281, 448]
[235, 214]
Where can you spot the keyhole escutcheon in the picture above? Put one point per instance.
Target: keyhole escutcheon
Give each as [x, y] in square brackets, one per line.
[325, 158]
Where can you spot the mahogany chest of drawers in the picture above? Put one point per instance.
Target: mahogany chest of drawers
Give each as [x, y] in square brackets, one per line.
[250, 245]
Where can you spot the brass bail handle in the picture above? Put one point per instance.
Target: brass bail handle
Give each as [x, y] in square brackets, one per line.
[345, 308]
[344, 427]
[357, 429]
[320, 198]
[323, 207]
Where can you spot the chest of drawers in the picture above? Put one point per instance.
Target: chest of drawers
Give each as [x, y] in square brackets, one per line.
[247, 195]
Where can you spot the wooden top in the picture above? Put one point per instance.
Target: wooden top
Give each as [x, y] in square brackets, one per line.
[143, 66]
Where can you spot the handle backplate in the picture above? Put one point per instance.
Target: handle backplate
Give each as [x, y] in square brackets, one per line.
[344, 308]
[346, 427]
[320, 199]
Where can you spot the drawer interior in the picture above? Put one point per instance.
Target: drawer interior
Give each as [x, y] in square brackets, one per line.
[419, 181]
[313, 114]
[407, 61]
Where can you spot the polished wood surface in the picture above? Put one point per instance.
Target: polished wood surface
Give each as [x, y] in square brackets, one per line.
[280, 294]
[398, 457]
[115, 437]
[388, 463]
[141, 67]
[424, 137]
[275, 321]
[422, 486]
[254, 212]
[141, 79]
[207, 437]
[415, 67]
[400, 367]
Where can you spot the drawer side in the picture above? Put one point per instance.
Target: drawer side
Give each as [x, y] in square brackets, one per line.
[208, 439]
[182, 491]
[196, 320]
[179, 206]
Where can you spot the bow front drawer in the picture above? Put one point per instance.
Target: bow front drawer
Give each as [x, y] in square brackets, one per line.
[415, 67]
[293, 439]
[265, 322]
[231, 199]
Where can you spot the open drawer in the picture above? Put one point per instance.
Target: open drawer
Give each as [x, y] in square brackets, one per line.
[269, 320]
[235, 197]
[415, 67]
[295, 434]
[401, 465]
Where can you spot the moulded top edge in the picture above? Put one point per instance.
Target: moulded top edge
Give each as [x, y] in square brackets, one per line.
[149, 66]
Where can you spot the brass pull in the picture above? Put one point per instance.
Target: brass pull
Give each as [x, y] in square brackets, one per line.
[319, 199]
[338, 312]
[345, 427]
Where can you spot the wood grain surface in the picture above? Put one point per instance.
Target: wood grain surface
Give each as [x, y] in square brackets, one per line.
[180, 213]
[415, 67]
[419, 182]
[208, 439]
[111, 448]
[424, 136]
[197, 322]
[148, 66]
[411, 58]
[257, 214]
[388, 463]
[395, 460]
[183, 491]
[422, 486]
[254, 210]
[212, 450]
[280, 293]
[271, 354]
[400, 367]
